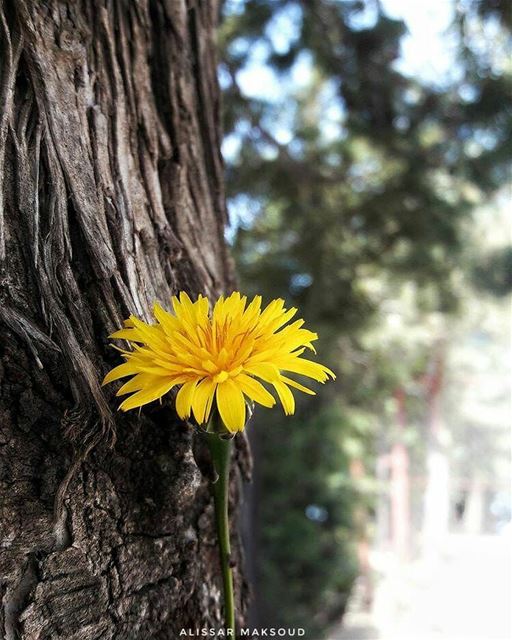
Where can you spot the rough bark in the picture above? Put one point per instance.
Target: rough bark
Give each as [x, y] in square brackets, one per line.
[110, 197]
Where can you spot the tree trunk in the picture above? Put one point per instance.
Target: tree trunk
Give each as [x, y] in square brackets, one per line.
[111, 196]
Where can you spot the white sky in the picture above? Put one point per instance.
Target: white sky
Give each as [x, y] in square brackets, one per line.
[428, 50]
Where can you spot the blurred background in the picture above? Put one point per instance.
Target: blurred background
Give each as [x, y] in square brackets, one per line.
[367, 147]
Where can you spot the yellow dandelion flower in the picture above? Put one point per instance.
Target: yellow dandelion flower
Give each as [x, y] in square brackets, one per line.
[222, 356]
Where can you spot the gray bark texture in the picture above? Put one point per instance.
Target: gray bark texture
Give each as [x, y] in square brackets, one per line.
[111, 197]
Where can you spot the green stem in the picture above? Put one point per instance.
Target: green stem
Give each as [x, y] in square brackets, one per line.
[220, 449]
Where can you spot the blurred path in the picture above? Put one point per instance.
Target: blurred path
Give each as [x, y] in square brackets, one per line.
[462, 593]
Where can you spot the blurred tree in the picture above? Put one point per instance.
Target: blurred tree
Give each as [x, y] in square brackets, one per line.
[494, 272]
[344, 173]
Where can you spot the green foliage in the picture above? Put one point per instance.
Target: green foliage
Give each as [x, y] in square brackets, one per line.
[347, 184]
[307, 511]
[494, 272]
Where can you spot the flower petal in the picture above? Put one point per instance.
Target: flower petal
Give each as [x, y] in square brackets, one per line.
[137, 383]
[305, 367]
[286, 397]
[263, 370]
[127, 334]
[167, 320]
[184, 399]
[298, 386]
[146, 396]
[202, 398]
[255, 390]
[121, 371]
[231, 405]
